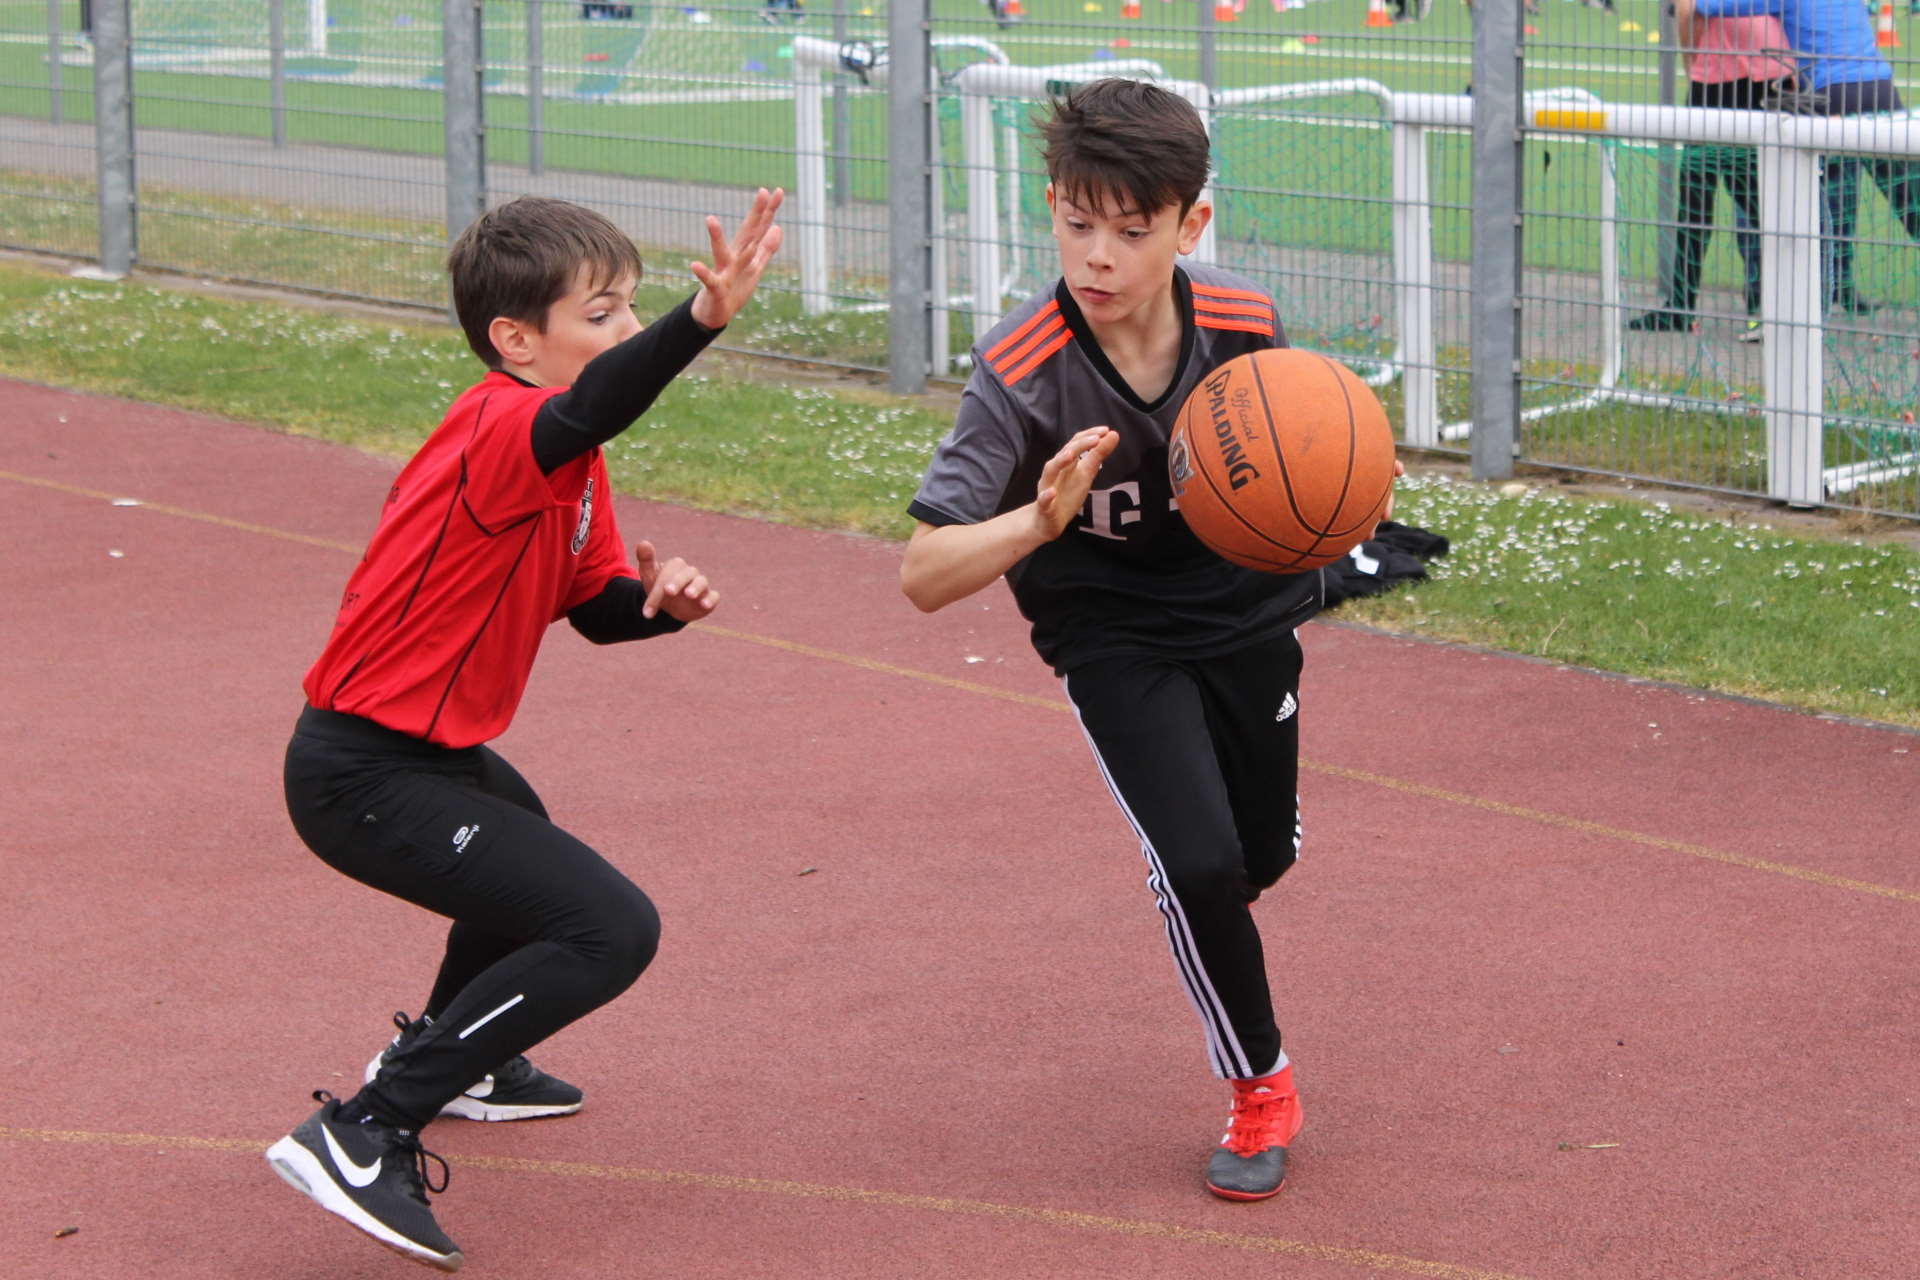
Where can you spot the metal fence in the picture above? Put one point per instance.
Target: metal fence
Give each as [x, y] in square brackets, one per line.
[1493, 214]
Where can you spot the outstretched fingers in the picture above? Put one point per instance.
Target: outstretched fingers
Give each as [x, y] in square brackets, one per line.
[737, 263]
[759, 219]
[753, 232]
[1068, 475]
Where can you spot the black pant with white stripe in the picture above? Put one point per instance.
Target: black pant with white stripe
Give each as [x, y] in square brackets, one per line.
[544, 929]
[1202, 756]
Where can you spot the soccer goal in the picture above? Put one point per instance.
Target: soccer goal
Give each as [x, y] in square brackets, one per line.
[198, 32]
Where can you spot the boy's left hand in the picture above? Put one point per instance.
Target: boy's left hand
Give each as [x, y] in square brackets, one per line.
[675, 586]
[729, 282]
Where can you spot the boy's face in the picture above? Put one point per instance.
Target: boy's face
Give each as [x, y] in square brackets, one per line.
[586, 320]
[1116, 261]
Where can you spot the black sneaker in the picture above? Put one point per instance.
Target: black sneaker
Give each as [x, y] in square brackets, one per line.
[372, 1175]
[1854, 305]
[515, 1090]
[1662, 321]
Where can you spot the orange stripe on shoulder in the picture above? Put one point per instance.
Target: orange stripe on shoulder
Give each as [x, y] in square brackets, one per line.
[1244, 295]
[1051, 309]
[1044, 334]
[1039, 357]
[1242, 326]
[1264, 312]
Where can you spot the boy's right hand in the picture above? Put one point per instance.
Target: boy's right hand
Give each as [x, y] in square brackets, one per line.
[674, 587]
[729, 282]
[1068, 477]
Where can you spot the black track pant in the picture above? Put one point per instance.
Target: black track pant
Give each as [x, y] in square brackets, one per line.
[1898, 180]
[544, 929]
[1702, 168]
[1203, 756]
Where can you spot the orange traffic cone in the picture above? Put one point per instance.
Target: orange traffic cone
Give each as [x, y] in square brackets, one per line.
[1014, 9]
[1131, 9]
[1223, 13]
[1377, 15]
[1883, 33]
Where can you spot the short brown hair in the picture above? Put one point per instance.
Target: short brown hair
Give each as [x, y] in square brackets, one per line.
[1125, 140]
[521, 258]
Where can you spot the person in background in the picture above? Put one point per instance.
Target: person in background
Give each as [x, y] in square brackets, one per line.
[1737, 65]
[1840, 73]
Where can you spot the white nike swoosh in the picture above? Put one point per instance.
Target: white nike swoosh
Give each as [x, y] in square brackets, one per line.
[358, 1175]
[483, 1089]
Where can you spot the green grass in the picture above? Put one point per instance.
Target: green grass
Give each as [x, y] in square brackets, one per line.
[1713, 601]
[840, 460]
[361, 255]
[368, 256]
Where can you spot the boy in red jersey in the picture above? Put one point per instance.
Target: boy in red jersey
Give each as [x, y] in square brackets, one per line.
[1182, 667]
[501, 525]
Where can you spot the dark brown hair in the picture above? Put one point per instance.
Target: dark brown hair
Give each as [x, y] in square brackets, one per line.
[1125, 141]
[519, 259]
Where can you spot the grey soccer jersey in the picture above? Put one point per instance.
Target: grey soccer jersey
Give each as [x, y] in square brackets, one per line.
[1127, 574]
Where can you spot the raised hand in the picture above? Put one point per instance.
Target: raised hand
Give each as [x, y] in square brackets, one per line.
[729, 282]
[675, 586]
[1068, 476]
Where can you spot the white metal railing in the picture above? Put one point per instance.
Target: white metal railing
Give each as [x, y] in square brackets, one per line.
[1792, 300]
[978, 86]
[1790, 149]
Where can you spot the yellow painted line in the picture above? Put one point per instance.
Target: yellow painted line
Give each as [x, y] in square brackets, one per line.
[204, 517]
[1563, 821]
[1615, 833]
[887, 668]
[1545, 818]
[771, 1187]
[1562, 118]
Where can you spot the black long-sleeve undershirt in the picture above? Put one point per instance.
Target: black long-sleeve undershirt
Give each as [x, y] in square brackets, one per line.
[614, 615]
[614, 389]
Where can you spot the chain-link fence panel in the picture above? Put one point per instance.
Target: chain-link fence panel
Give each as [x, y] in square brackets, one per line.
[1717, 286]
[48, 192]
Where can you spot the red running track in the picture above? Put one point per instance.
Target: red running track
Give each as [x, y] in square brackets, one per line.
[1583, 977]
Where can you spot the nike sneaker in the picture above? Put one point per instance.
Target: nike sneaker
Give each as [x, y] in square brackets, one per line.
[515, 1090]
[1251, 1161]
[371, 1174]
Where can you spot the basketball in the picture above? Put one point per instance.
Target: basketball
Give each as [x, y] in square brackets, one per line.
[1281, 460]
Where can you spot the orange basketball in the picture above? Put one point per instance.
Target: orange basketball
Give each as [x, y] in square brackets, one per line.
[1281, 460]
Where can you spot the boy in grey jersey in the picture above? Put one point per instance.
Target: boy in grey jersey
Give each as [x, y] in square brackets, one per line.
[1182, 667]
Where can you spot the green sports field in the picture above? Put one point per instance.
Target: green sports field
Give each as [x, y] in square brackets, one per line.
[678, 91]
[681, 90]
